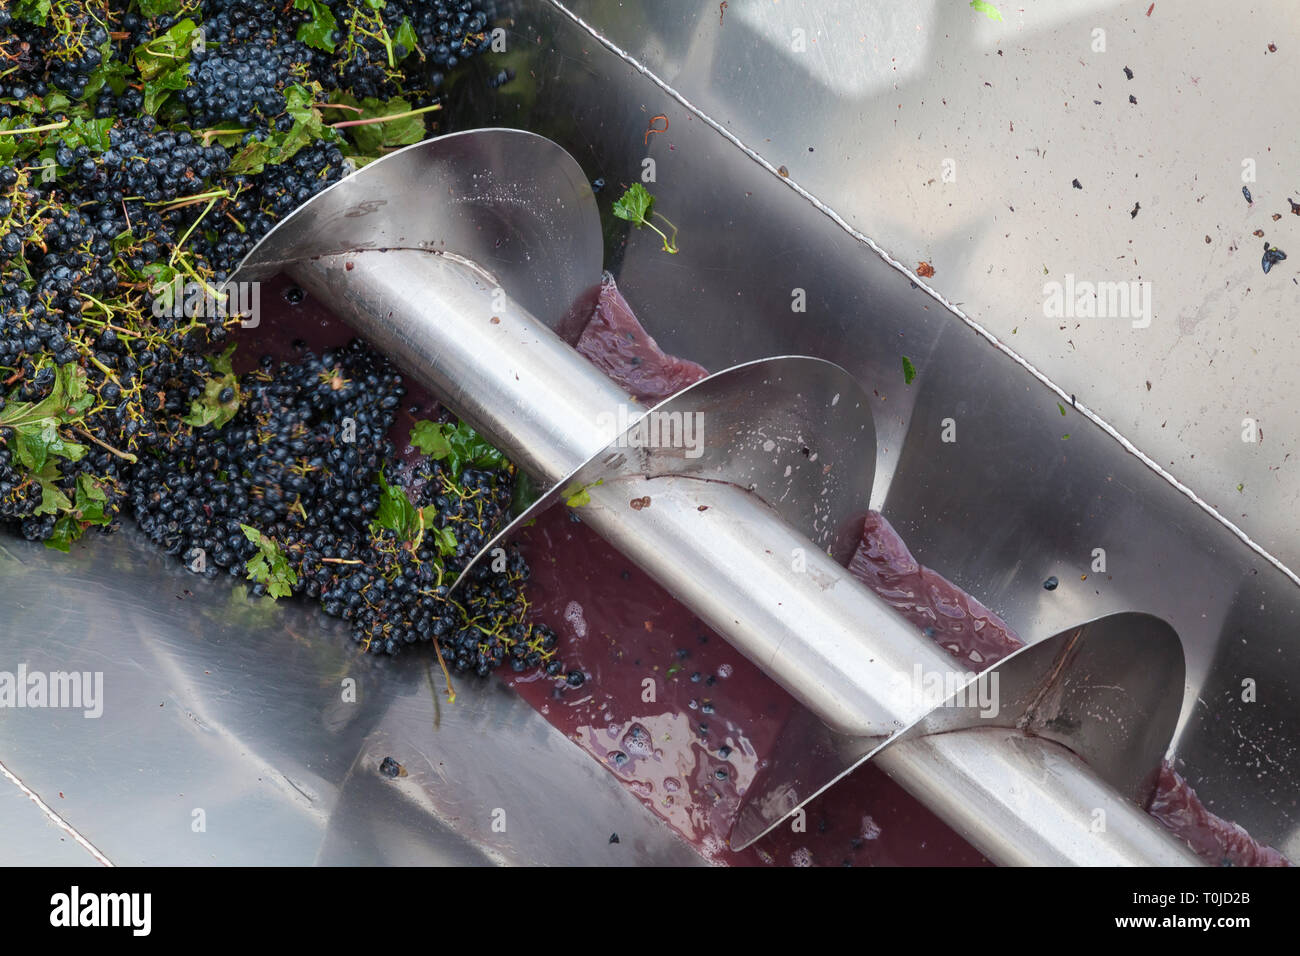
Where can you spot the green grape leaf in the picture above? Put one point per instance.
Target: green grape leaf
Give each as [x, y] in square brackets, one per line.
[254, 157]
[93, 134]
[986, 8]
[429, 438]
[319, 30]
[165, 53]
[395, 512]
[111, 72]
[35, 425]
[580, 495]
[53, 500]
[469, 449]
[88, 510]
[66, 530]
[372, 138]
[33, 11]
[406, 37]
[37, 442]
[445, 539]
[157, 90]
[635, 205]
[459, 445]
[269, 566]
[156, 8]
[209, 409]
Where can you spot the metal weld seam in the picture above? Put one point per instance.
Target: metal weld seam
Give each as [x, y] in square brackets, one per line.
[54, 818]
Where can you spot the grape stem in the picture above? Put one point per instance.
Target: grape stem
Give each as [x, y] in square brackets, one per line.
[451, 691]
[35, 129]
[207, 134]
[385, 119]
[176, 251]
[670, 245]
[125, 455]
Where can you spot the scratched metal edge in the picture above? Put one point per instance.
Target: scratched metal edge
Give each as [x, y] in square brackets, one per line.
[898, 266]
[53, 817]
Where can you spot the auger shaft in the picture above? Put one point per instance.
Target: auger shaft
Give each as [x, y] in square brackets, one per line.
[827, 639]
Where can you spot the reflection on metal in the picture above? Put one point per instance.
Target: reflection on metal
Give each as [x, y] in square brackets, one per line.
[1009, 502]
[795, 431]
[496, 197]
[215, 708]
[1108, 691]
[1048, 806]
[699, 525]
[239, 731]
[705, 53]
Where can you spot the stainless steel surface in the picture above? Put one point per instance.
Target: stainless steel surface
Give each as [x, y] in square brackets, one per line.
[951, 138]
[795, 431]
[541, 403]
[1052, 810]
[228, 712]
[43, 842]
[718, 548]
[494, 362]
[515, 189]
[1109, 691]
[1010, 501]
[998, 510]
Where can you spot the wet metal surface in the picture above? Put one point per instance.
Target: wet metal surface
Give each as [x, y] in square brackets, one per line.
[1008, 503]
[1108, 691]
[235, 731]
[217, 706]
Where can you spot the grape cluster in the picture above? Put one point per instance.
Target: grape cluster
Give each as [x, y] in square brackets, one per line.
[239, 86]
[450, 30]
[109, 104]
[300, 462]
[259, 202]
[228, 22]
[286, 463]
[21, 46]
[110, 405]
[447, 32]
[147, 163]
[75, 49]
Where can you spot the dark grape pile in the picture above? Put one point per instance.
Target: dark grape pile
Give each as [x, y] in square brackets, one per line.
[299, 460]
[445, 32]
[147, 145]
[241, 85]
